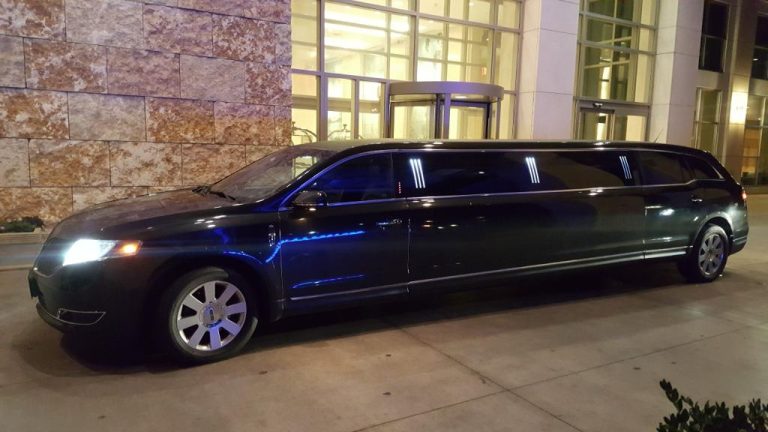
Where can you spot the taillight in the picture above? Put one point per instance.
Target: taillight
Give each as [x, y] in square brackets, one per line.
[743, 195]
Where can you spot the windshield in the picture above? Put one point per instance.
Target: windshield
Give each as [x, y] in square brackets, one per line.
[265, 176]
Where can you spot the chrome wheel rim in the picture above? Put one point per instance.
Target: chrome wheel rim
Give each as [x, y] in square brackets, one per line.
[711, 254]
[211, 315]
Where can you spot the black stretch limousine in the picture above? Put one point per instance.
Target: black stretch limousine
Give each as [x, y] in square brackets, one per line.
[327, 224]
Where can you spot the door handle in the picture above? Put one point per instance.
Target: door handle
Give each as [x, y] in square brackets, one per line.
[391, 222]
[695, 199]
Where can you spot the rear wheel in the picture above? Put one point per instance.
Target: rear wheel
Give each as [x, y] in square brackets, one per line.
[707, 259]
[208, 315]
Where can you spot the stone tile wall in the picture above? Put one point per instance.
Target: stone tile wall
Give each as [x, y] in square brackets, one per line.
[105, 99]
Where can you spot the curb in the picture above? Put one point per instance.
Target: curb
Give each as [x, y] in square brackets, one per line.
[15, 267]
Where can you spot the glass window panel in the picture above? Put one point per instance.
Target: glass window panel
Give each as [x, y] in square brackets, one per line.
[709, 105]
[706, 137]
[304, 7]
[662, 168]
[711, 54]
[508, 14]
[434, 7]
[760, 63]
[761, 36]
[371, 116]
[506, 117]
[467, 122]
[400, 68]
[639, 11]
[413, 122]
[629, 128]
[715, 19]
[479, 11]
[594, 125]
[454, 73]
[304, 111]
[754, 111]
[340, 105]
[361, 179]
[506, 60]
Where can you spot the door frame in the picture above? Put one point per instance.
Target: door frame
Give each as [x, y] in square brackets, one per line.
[612, 109]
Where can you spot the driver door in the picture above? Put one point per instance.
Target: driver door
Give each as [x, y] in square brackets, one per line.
[356, 243]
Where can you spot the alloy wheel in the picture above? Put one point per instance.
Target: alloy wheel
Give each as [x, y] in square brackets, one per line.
[711, 254]
[211, 315]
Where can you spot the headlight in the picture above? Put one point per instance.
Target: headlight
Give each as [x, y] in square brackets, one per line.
[86, 250]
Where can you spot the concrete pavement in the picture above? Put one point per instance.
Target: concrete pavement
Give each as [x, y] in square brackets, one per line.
[580, 352]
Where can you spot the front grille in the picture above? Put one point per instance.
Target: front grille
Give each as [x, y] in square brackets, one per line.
[52, 255]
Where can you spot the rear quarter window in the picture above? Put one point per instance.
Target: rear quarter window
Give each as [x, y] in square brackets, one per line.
[701, 169]
[661, 168]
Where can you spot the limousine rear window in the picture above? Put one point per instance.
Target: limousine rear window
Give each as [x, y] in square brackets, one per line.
[476, 172]
[661, 168]
[701, 169]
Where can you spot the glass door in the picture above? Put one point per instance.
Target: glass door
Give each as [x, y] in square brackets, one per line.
[468, 121]
[413, 120]
[609, 124]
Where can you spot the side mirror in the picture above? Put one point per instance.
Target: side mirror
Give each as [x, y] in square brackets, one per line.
[310, 199]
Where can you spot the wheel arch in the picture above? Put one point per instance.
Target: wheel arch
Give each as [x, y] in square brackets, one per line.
[261, 283]
[723, 222]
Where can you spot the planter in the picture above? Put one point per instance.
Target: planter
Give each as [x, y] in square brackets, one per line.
[36, 237]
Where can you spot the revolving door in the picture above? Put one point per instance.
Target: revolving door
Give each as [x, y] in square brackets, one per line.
[443, 110]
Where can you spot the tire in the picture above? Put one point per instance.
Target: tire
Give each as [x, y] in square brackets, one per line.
[706, 261]
[208, 315]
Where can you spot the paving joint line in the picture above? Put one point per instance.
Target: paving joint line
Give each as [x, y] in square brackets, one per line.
[451, 405]
[635, 357]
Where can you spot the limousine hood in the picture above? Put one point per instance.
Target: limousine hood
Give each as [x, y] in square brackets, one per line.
[103, 218]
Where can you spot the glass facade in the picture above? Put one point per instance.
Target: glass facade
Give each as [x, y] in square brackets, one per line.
[346, 52]
[714, 31]
[760, 56]
[615, 69]
[706, 121]
[754, 169]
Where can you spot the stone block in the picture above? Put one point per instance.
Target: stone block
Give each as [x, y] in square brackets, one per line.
[178, 30]
[11, 62]
[212, 79]
[141, 72]
[145, 164]
[33, 18]
[105, 22]
[208, 163]
[173, 120]
[269, 10]
[33, 114]
[14, 162]
[68, 163]
[50, 204]
[255, 153]
[106, 117]
[244, 124]
[54, 65]
[244, 39]
[268, 84]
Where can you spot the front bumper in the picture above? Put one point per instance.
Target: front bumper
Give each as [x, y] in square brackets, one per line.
[97, 297]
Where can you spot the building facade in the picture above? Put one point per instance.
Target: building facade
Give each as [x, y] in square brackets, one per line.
[101, 99]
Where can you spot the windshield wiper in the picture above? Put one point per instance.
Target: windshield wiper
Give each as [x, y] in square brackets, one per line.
[206, 189]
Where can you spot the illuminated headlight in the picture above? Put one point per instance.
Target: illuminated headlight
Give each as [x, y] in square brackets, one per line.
[86, 250]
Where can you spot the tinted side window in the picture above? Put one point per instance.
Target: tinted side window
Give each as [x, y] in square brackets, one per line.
[585, 169]
[361, 179]
[464, 173]
[701, 169]
[662, 168]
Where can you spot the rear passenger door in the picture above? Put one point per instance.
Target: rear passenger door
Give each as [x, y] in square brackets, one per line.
[673, 208]
[478, 212]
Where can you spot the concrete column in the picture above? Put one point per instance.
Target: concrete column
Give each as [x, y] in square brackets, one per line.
[676, 71]
[547, 69]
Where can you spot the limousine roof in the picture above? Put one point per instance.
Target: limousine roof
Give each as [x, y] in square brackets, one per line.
[356, 146]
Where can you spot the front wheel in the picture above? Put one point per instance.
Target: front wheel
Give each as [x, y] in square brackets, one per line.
[707, 259]
[208, 315]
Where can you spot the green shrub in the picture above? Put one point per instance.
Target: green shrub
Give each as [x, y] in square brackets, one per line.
[25, 224]
[712, 417]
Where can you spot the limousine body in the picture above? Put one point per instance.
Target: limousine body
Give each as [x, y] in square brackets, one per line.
[325, 225]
